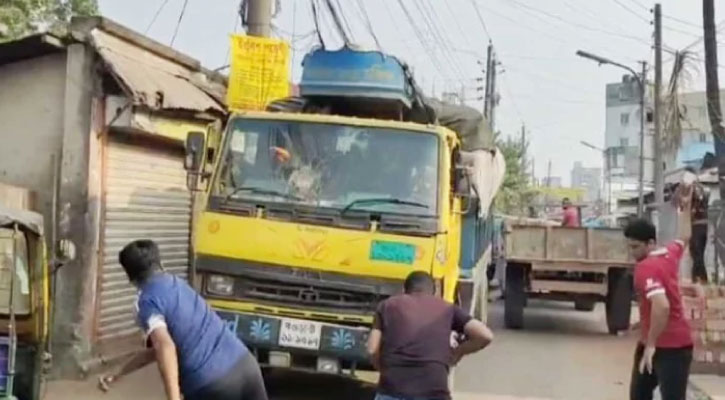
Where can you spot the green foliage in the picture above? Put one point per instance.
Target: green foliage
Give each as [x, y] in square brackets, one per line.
[20, 18]
[516, 193]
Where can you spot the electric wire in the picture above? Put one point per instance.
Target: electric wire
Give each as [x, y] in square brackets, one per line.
[178, 23]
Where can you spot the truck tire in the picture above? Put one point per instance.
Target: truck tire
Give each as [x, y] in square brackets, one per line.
[584, 304]
[515, 296]
[619, 300]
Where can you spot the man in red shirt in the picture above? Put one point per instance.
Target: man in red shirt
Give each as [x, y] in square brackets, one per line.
[571, 214]
[664, 353]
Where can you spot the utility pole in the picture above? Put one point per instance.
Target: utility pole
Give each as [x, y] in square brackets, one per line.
[494, 97]
[657, 142]
[714, 111]
[642, 93]
[523, 148]
[487, 92]
[534, 182]
[548, 175]
[259, 18]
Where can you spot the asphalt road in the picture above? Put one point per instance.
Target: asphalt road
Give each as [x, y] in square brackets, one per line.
[562, 354]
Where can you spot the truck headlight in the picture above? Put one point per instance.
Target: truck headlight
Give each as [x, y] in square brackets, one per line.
[220, 284]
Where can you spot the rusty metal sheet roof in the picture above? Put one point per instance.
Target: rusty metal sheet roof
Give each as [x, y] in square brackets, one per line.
[153, 81]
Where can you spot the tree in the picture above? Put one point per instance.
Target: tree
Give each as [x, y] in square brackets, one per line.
[19, 18]
[516, 193]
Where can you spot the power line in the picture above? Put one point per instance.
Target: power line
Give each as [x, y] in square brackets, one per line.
[682, 21]
[369, 24]
[640, 5]
[515, 105]
[455, 22]
[526, 7]
[156, 15]
[631, 11]
[344, 19]
[670, 28]
[430, 21]
[338, 22]
[481, 20]
[316, 18]
[178, 23]
[419, 35]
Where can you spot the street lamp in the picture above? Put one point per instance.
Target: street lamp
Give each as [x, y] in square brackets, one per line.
[640, 82]
[607, 171]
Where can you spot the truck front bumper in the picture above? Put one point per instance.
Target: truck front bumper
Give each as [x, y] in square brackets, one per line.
[298, 338]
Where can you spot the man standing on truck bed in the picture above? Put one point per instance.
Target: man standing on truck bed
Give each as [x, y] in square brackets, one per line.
[410, 343]
[571, 214]
[196, 353]
[664, 353]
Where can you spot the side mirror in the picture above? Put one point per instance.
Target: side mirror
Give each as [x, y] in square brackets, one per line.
[463, 188]
[195, 150]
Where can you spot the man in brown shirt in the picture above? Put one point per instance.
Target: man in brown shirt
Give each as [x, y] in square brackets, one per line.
[410, 343]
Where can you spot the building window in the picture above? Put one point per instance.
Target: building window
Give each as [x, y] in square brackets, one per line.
[624, 119]
[624, 142]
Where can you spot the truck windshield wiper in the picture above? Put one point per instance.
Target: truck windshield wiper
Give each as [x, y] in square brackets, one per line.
[256, 190]
[382, 200]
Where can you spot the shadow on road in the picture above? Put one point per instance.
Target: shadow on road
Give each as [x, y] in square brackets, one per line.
[295, 385]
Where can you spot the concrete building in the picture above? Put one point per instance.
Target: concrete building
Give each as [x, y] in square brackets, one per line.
[622, 140]
[94, 122]
[588, 179]
[697, 138]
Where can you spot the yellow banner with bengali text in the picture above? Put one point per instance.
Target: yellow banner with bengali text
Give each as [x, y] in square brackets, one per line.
[259, 72]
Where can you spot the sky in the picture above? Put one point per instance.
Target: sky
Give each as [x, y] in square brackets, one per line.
[558, 97]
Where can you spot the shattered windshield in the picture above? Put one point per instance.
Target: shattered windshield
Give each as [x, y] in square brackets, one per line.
[328, 165]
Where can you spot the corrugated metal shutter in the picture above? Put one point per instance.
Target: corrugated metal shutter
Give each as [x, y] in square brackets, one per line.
[145, 198]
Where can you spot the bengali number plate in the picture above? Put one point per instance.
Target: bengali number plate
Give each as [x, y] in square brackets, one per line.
[300, 334]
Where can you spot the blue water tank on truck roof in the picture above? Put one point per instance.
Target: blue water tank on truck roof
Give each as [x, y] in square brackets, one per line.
[357, 74]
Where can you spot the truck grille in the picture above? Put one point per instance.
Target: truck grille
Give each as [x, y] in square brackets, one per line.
[301, 287]
[305, 294]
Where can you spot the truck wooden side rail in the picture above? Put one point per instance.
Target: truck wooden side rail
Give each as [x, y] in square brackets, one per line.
[582, 265]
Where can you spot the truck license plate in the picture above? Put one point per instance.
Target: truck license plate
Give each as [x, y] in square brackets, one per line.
[300, 334]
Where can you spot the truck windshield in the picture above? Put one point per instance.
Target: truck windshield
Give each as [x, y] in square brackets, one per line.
[330, 165]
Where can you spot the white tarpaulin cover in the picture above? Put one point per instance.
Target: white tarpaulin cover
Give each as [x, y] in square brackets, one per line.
[487, 169]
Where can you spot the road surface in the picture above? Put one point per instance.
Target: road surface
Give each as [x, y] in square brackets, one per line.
[562, 354]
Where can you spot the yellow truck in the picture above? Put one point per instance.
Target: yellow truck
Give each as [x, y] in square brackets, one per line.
[308, 220]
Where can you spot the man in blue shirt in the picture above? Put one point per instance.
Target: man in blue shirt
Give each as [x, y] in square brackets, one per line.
[197, 354]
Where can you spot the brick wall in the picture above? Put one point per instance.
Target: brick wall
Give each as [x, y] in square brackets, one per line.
[705, 308]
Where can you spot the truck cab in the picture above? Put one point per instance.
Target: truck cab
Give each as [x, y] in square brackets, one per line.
[315, 212]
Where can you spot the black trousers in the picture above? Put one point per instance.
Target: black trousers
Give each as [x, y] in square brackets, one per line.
[671, 371]
[698, 242]
[243, 382]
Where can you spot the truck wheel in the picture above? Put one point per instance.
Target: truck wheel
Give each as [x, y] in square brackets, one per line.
[584, 304]
[619, 300]
[515, 296]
